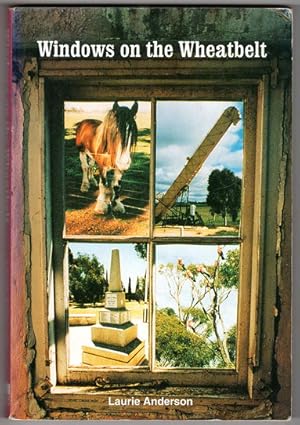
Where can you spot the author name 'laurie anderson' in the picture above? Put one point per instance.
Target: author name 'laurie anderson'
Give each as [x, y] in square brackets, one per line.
[149, 401]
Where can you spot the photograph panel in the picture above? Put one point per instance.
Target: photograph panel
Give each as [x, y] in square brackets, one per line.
[199, 151]
[196, 305]
[108, 305]
[107, 160]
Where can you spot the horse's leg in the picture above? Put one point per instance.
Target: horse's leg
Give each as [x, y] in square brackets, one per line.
[84, 166]
[117, 205]
[104, 197]
[91, 171]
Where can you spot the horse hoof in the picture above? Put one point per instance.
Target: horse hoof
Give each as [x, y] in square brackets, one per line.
[84, 188]
[118, 207]
[100, 212]
[101, 208]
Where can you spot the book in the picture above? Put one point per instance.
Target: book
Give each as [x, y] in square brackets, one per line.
[150, 212]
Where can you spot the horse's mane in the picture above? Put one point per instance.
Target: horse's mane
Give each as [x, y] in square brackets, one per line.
[113, 123]
[109, 129]
[132, 129]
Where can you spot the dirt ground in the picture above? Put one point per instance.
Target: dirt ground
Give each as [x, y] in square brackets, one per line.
[86, 222]
[195, 231]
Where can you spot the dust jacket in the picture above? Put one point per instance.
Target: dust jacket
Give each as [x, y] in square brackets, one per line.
[150, 212]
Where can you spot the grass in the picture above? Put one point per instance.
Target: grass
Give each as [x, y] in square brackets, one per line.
[204, 211]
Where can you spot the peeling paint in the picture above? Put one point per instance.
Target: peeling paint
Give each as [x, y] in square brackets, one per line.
[30, 78]
[42, 388]
[282, 360]
[34, 409]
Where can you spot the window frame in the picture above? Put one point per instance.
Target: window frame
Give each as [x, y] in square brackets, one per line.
[45, 364]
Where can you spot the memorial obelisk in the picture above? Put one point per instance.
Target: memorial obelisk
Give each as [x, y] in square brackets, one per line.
[114, 337]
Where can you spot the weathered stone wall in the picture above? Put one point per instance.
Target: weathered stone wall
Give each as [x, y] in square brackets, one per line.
[208, 25]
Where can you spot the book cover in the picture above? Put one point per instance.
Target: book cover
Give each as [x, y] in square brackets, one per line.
[150, 212]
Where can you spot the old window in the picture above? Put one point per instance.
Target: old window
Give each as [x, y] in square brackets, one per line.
[187, 305]
[180, 279]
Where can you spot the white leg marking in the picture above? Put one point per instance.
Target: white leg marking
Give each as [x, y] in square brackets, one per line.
[84, 166]
[104, 197]
[116, 178]
[117, 205]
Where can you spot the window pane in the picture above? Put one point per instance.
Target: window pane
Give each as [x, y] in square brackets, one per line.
[106, 172]
[108, 310]
[196, 305]
[198, 171]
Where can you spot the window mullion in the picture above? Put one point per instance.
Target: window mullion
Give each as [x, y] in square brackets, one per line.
[59, 246]
[248, 200]
[151, 252]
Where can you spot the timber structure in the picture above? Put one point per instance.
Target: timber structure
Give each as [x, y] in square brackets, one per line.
[194, 164]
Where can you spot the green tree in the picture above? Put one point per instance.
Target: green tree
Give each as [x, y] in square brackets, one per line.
[129, 292]
[232, 341]
[177, 347]
[87, 281]
[141, 250]
[201, 312]
[140, 288]
[229, 270]
[224, 194]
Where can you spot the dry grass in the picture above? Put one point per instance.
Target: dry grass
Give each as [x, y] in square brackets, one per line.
[86, 221]
[195, 231]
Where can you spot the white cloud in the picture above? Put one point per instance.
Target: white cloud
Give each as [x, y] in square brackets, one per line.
[181, 126]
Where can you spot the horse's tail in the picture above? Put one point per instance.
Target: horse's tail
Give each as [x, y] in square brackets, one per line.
[85, 132]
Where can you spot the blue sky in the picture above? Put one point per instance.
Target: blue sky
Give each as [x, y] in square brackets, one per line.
[181, 126]
[131, 265]
[196, 254]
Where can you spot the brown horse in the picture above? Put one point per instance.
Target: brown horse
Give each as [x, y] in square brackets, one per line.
[107, 143]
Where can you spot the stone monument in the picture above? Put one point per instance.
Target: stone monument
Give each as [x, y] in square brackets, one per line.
[114, 338]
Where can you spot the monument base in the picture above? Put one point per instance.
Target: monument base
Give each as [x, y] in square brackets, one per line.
[113, 317]
[117, 335]
[131, 355]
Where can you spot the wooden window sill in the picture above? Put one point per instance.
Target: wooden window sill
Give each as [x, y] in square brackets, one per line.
[90, 402]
